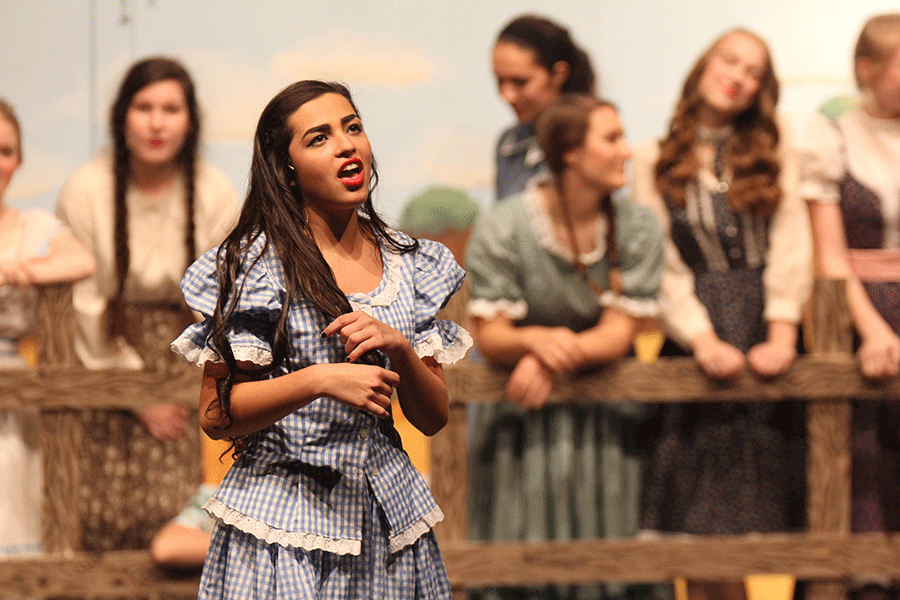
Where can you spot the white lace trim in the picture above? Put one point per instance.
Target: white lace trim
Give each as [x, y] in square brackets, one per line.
[190, 353]
[409, 535]
[393, 275]
[543, 230]
[488, 309]
[632, 306]
[314, 541]
[433, 346]
[273, 535]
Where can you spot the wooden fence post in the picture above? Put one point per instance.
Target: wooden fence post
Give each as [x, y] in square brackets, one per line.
[61, 429]
[828, 432]
[450, 480]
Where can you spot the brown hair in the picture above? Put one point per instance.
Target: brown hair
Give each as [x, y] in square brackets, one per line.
[560, 129]
[8, 114]
[751, 155]
[142, 74]
[878, 40]
[551, 44]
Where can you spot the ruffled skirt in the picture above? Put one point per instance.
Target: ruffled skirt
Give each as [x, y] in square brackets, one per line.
[240, 566]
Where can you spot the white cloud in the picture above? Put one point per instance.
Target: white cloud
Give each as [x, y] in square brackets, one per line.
[452, 157]
[232, 94]
[346, 56]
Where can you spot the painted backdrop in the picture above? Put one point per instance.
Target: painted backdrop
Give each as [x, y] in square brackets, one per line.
[419, 70]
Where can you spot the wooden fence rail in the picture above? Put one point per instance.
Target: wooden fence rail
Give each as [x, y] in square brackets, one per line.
[828, 553]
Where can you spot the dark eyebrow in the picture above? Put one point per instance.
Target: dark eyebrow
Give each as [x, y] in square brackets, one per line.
[324, 128]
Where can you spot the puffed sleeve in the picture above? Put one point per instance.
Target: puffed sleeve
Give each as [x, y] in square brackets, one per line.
[787, 278]
[639, 244]
[821, 160]
[683, 315]
[493, 263]
[437, 278]
[251, 324]
[40, 228]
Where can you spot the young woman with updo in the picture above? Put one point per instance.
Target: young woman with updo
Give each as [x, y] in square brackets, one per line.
[535, 61]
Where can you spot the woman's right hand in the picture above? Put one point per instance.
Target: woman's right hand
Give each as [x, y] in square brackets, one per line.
[365, 387]
[530, 383]
[718, 359]
[879, 355]
[557, 348]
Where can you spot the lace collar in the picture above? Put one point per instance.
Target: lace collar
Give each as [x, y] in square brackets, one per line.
[389, 287]
[542, 225]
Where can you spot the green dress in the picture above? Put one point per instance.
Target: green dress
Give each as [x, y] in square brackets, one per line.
[566, 471]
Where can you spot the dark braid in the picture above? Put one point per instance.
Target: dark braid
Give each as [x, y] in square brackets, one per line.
[142, 74]
[190, 183]
[120, 237]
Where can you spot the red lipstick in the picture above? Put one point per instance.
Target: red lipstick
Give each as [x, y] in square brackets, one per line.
[352, 173]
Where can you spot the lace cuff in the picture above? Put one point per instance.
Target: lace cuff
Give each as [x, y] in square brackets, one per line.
[632, 306]
[192, 354]
[488, 309]
[434, 346]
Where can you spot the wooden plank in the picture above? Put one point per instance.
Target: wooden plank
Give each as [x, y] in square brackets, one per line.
[819, 377]
[473, 564]
[680, 380]
[88, 575]
[725, 558]
[57, 388]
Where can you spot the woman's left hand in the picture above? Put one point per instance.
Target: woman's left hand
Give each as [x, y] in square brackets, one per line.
[165, 422]
[361, 332]
[771, 359]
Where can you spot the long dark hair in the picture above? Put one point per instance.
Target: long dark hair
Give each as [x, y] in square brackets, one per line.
[552, 43]
[146, 72]
[563, 127]
[751, 155]
[275, 207]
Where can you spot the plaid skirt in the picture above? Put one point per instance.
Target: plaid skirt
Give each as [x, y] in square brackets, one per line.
[240, 566]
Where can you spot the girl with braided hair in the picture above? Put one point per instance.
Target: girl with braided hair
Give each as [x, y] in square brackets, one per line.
[146, 209]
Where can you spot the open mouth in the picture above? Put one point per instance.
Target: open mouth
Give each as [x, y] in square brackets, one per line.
[352, 174]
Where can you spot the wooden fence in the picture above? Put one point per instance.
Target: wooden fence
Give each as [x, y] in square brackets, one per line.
[828, 554]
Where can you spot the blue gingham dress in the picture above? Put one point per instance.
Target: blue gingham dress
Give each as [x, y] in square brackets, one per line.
[325, 504]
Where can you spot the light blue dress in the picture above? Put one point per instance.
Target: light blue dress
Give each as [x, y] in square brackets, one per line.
[566, 471]
[325, 503]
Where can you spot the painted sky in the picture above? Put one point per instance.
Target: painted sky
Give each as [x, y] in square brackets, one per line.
[419, 70]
